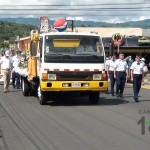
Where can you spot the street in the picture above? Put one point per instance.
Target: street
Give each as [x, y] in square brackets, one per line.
[71, 123]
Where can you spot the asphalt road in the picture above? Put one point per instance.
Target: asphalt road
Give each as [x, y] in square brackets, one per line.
[71, 123]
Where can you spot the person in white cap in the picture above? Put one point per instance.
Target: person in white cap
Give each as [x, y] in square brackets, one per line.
[145, 68]
[142, 61]
[6, 66]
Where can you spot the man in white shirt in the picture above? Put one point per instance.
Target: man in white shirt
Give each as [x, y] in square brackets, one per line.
[107, 59]
[120, 73]
[110, 73]
[137, 74]
[15, 75]
[6, 66]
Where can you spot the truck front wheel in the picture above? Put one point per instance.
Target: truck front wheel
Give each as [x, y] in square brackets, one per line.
[94, 97]
[25, 87]
[43, 98]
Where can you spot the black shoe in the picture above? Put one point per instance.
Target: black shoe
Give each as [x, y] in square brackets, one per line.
[13, 86]
[121, 95]
[136, 100]
[117, 95]
[107, 92]
[113, 94]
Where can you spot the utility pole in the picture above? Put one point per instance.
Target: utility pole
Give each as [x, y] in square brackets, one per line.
[117, 38]
[72, 20]
[118, 47]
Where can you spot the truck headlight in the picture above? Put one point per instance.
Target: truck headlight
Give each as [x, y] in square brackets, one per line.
[96, 76]
[52, 76]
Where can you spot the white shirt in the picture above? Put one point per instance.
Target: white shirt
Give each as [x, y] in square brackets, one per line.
[106, 63]
[16, 61]
[143, 63]
[120, 65]
[111, 65]
[137, 69]
[6, 62]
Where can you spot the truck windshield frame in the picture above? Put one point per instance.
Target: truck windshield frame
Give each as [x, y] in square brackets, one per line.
[89, 49]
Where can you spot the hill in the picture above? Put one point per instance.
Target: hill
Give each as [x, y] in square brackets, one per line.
[9, 31]
[145, 24]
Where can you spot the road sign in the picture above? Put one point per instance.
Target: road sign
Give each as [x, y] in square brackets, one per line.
[44, 24]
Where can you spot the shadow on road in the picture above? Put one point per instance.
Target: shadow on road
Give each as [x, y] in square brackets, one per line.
[17, 90]
[83, 101]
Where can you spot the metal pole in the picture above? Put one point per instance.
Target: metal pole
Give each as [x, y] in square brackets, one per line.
[118, 48]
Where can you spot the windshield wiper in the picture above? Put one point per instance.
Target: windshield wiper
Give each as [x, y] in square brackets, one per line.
[67, 56]
[50, 54]
[88, 53]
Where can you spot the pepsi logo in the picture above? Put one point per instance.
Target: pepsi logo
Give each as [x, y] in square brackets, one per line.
[60, 24]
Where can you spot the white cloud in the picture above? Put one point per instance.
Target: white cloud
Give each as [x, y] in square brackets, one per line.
[107, 15]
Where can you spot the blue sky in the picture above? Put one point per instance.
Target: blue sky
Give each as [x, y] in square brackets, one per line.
[91, 10]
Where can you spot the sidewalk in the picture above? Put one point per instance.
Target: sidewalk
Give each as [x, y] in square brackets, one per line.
[146, 81]
[146, 86]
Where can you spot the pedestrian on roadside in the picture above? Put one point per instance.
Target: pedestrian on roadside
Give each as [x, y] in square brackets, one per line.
[16, 77]
[137, 74]
[6, 66]
[120, 73]
[107, 59]
[142, 61]
[110, 73]
[145, 68]
[13, 54]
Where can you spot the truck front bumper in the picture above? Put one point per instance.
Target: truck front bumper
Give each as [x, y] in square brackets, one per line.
[73, 85]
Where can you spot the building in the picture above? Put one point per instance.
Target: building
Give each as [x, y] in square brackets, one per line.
[23, 43]
[131, 44]
[108, 32]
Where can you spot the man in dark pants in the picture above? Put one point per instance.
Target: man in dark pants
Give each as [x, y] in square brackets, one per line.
[15, 76]
[13, 73]
[120, 73]
[137, 74]
[110, 73]
[107, 59]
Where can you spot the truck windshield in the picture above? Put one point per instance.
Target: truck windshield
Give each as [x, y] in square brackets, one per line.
[72, 46]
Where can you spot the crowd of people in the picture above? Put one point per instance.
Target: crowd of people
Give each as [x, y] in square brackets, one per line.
[124, 69]
[10, 64]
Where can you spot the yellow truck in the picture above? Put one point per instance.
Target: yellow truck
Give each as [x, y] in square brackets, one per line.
[65, 62]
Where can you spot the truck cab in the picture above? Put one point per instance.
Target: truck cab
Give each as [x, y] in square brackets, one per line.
[65, 62]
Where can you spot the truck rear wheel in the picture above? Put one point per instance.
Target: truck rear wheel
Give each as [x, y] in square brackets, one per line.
[43, 98]
[94, 97]
[25, 87]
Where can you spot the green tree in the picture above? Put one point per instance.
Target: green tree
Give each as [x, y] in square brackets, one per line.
[4, 45]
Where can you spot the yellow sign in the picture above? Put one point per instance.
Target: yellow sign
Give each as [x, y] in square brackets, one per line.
[66, 42]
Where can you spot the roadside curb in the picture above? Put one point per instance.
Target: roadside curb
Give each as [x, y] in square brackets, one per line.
[143, 86]
[146, 87]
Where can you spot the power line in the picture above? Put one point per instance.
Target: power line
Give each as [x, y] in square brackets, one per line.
[92, 10]
[98, 4]
[138, 8]
[63, 14]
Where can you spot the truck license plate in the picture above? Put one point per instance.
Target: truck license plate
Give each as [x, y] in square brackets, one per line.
[76, 84]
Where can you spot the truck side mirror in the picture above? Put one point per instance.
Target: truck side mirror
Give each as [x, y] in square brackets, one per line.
[33, 48]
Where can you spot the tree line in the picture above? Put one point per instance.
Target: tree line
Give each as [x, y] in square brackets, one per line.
[10, 30]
